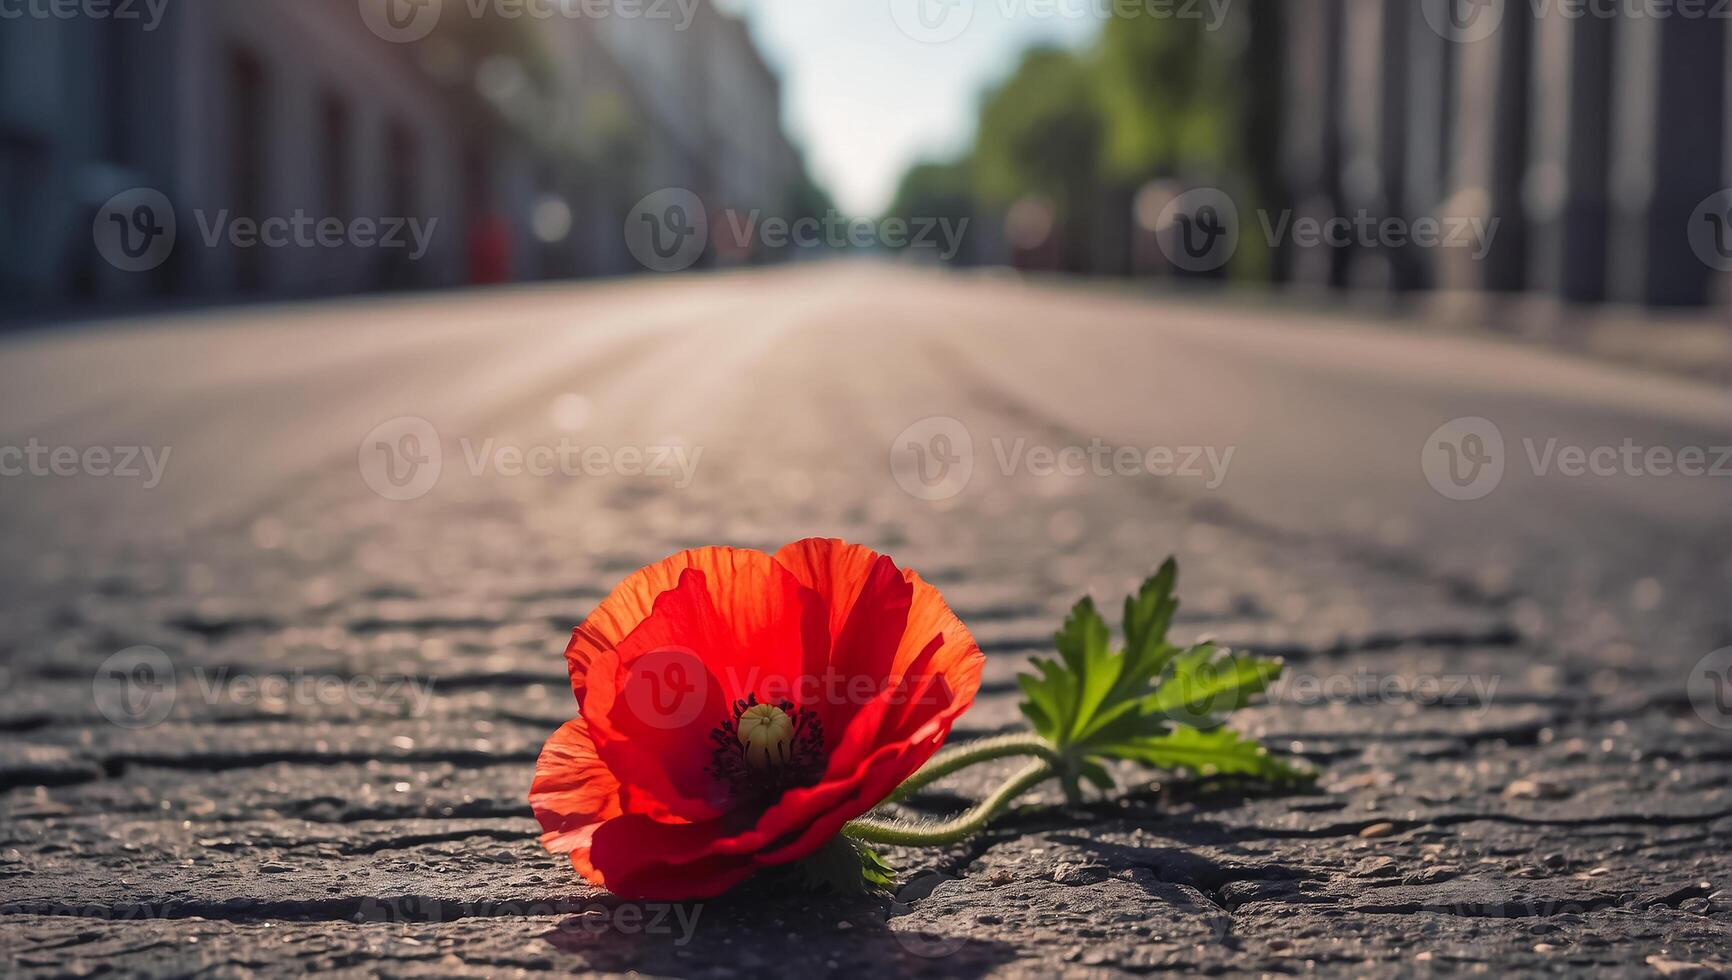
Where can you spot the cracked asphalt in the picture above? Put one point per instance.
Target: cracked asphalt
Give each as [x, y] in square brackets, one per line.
[276, 712]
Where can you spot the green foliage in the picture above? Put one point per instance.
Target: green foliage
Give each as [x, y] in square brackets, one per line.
[844, 866]
[1150, 702]
[937, 191]
[1040, 132]
[934, 189]
[1166, 94]
[1196, 101]
[808, 198]
[1222, 751]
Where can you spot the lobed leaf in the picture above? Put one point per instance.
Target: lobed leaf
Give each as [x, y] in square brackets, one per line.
[1222, 751]
[1151, 702]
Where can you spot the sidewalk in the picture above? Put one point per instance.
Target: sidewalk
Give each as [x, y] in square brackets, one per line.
[1689, 343]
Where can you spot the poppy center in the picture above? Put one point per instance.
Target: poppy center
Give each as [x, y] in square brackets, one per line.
[767, 735]
[763, 750]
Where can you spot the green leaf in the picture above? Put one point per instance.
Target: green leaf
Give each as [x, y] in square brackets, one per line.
[844, 866]
[1149, 613]
[1151, 702]
[1085, 643]
[1096, 774]
[874, 871]
[1066, 692]
[1204, 684]
[1223, 751]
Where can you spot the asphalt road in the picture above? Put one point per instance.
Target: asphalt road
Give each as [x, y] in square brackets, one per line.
[426, 493]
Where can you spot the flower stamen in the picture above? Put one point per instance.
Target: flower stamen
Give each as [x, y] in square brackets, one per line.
[764, 750]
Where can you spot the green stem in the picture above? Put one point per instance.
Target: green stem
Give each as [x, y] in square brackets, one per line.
[962, 756]
[908, 834]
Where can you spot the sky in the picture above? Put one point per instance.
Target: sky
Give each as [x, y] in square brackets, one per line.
[866, 96]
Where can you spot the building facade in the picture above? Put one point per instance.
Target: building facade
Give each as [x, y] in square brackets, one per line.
[502, 151]
[1593, 141]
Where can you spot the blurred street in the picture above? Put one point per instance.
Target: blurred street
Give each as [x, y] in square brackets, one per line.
[1019, 444]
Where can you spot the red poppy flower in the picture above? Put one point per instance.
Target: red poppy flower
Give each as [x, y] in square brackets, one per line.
[736, 709]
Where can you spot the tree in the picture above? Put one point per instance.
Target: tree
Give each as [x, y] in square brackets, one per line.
[935, 191]
[1040, 136]
[1040, 132]
[807, 197]
[1164, 90]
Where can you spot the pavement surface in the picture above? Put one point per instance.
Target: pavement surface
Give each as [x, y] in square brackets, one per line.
[272, 704]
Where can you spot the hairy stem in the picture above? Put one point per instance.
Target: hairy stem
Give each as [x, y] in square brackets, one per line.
[909, 834]
[962, 756]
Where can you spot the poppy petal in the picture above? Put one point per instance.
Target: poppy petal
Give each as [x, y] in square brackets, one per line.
[653, 700]
[573, 789]
[753, 592]
[959, 659]
[628, 856]
[867, 600]
[834, 569]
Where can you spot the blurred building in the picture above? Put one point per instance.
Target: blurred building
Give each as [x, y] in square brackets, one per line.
[518, 145]
[708, 107]
[1592, 140]
[755, 168]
